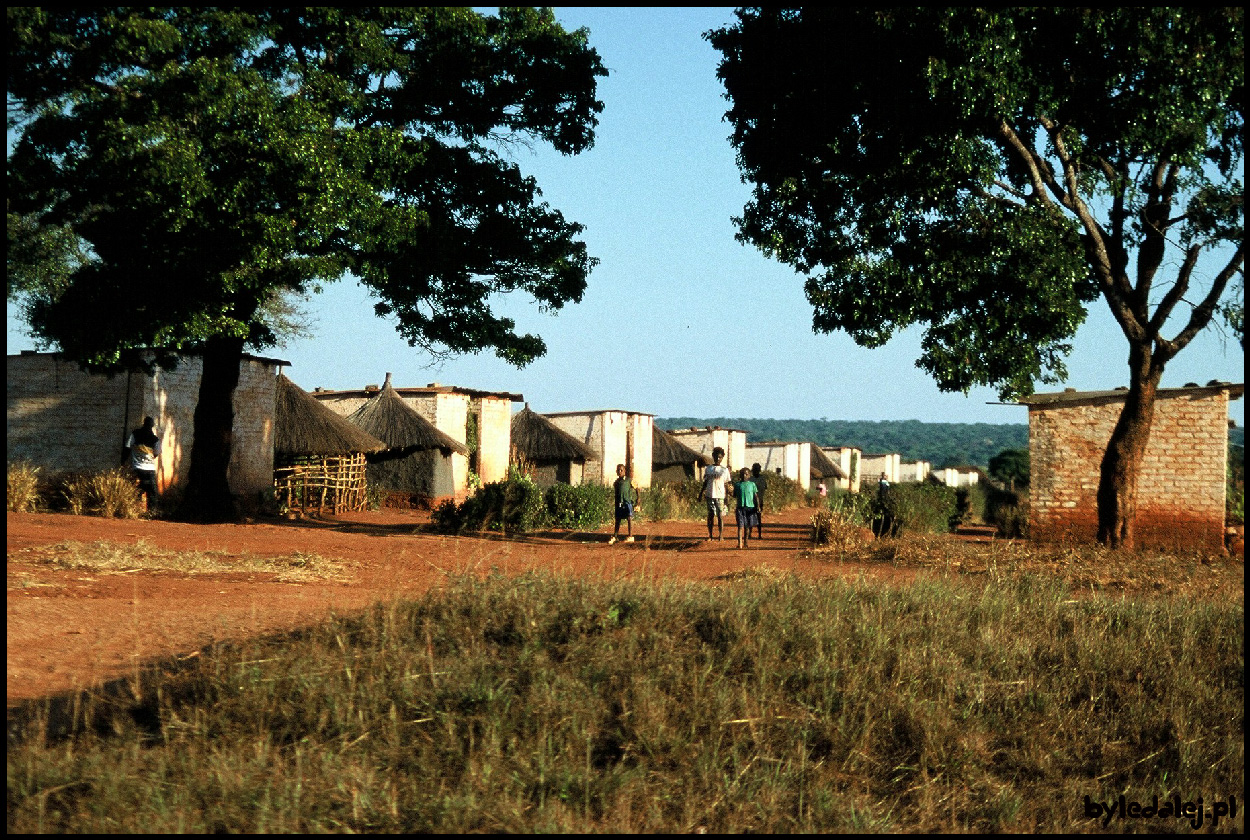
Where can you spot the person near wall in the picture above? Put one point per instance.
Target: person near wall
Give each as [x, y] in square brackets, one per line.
[746, 510]
[143, 449]
[626, 498]
[761, 484]
[715, 478]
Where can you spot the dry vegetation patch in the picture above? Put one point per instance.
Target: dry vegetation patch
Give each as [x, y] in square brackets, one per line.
[1083, 568]
[118, 558]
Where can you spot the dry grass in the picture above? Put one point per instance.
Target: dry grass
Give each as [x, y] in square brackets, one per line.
[764, 703]
[23, 487]
[1082, 568]
[108, 557]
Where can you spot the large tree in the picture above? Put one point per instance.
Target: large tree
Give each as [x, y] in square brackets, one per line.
[193, 165]
[991, 174]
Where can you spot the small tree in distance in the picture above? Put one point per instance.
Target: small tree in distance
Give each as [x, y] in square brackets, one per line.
[991, 173]
[1011, 467]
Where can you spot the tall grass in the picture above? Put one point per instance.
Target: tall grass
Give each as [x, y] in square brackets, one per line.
[542, 704]
[23, 487]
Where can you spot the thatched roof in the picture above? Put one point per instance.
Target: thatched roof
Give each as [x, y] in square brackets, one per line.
[303, 426]
[822, 467]
[668, 451]
[391, 420]
[538, 439]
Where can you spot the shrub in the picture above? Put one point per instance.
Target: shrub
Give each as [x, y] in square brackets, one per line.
[511, 506]
[111, 493]
[783, 493]
[970, 503]
[856, 507]
[23, 483]
[1008, 511]
[917, 508]
[673, 501]
[836, 530]
[581, 507]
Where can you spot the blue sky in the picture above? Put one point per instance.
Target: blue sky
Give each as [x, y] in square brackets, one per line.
[679, 319]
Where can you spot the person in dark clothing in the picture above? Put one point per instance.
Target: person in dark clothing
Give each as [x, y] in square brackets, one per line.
[143, 450]
[761, 484]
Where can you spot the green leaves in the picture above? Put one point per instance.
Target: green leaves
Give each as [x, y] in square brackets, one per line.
[989, 173]
[241, 155]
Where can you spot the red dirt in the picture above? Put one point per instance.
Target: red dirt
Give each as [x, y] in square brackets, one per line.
[75, 628]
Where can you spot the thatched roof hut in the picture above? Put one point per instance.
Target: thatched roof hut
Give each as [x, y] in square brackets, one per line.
[319, 458]
[303, 426]
[392, 421]
[822, 467]
[552, 454]
[417, 461]
[668, 451]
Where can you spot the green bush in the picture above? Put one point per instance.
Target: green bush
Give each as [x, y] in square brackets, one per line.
[514, 505]
[582, 507]
[915, 508]
[854, 507]
[970, 503]
[673, 501]
[783, 493]
[1009, 511]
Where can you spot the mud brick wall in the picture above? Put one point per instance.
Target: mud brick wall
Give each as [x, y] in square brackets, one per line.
[63, 419]
[1181, 487]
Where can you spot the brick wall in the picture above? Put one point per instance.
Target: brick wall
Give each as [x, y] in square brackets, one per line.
[63, 419]
[1181, 487]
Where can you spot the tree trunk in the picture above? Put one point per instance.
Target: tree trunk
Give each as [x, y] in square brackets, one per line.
[1121, 464]
[208, 497]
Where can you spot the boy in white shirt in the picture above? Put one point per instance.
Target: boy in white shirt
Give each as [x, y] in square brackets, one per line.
[715, 477]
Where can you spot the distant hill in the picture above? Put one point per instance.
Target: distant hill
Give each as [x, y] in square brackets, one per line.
[941, 444]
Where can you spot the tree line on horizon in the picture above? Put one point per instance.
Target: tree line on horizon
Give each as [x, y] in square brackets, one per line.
[941, 444]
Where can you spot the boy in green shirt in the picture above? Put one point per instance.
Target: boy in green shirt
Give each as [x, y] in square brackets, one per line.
[626, 498]
[747, 511]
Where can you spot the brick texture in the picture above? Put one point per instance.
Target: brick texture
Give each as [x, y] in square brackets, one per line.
[1181, 487]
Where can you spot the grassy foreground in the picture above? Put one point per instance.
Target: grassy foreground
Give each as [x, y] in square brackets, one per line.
[770, 704]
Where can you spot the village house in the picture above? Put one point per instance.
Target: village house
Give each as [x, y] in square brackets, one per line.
[1181, 488]
[792, 460]
[319, 458]
[915, 471]
[462, 414]
[546, 452]
[63, 419]
[672, 461]
[957, 476]
[872, 466]
[847, 458]
[614, 437]
[824, 470]
[733, 441]
[417, 453]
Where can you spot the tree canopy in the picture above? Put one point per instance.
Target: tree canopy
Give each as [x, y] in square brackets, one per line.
[181, 175]
[990, 173]
[201, 161]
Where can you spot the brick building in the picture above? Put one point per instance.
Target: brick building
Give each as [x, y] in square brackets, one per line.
[63, 419]
[615, 437]
[1181, 488]
[733, 441]
[792, 459]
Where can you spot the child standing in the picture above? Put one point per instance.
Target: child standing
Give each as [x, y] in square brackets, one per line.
[625, 499]
[747, 511]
